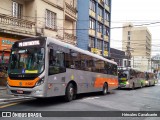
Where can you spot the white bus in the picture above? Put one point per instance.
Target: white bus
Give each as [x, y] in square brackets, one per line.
[47, 67]
[130, 78]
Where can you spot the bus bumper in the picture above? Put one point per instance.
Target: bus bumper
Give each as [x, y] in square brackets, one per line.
[124, 86]
[28, 92]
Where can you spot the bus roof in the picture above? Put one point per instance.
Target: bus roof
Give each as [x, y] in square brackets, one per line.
[60, 43]
[56, 41]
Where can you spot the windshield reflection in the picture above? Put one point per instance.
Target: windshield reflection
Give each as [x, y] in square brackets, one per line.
[28, 60]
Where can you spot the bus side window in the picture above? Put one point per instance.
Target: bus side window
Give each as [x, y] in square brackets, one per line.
[56, 62]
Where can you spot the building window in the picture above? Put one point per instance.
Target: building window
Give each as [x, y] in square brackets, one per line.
[91, 42]
[129, 38]
[129, 44]
[106, 16]
[125, 63]
[100, 11]
[92, 23]
[106, 31]
[105, 46]
[99, 44]
[129, 63]
[50, 19]
[17, 10]
[100, 27]
[129, 32]
[92, 5]
[107, 2]
[56, 62]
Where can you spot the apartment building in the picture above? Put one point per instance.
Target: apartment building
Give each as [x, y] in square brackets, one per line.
[29, 18]
[119, 57]
[137, 39]
[93, 26]
[136, 42]
[70, 10]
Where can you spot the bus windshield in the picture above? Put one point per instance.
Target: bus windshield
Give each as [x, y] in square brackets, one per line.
[26, 61]
[123, 74]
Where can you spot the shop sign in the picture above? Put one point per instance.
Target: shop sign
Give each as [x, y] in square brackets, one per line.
[96, 51]
[105, 53]
[6, 43]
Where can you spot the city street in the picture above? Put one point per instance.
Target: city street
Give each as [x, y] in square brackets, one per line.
[145, 99]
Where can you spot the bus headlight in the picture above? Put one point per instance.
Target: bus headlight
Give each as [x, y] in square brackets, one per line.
[146, 82]
[40, 82]
[127, 83]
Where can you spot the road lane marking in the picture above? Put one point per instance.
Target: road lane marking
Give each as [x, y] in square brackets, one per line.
[91, 98]
[7, 105]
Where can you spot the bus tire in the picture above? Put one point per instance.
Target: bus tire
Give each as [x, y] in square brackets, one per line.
[133, 86]
[154, 83]
[149, 84]
[69, 94]
[105, 89]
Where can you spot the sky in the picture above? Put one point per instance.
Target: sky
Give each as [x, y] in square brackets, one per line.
[138, 12]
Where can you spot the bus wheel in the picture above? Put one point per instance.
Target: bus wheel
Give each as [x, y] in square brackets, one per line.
[154, 83]
[105, 89]
[149, 84]
[69, 93]
[133, 86]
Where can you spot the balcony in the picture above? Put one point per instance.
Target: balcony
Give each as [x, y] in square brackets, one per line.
[69, 38]
[70, 12]
[92, 13]
[106, 38]
[14, 25]
[107, 8]
[100, 19]
[92, 32]
[99, 35]
[101, 2]
[106, 23]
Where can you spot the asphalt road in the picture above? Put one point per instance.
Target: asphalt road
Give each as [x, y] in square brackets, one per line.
[143, 99]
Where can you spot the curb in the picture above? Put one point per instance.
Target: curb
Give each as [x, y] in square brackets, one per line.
[2, 88]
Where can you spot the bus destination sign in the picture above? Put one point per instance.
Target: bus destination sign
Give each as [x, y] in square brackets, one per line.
[28, 43]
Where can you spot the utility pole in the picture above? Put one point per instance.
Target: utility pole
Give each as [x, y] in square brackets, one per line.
[128, 53]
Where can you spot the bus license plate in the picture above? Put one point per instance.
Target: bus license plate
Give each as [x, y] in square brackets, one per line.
[20, 91]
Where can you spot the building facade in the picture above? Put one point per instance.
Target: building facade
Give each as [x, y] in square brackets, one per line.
[93, 26]
[136, 42]
[156, 63]
[29, 18]
[119, 57]
[70, 19]
[141, 63]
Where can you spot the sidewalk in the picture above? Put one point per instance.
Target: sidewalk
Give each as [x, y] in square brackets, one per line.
[5, 98]
[3, 93]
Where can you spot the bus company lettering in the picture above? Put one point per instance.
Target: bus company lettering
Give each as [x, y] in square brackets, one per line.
[29, 83]
[30, 43]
